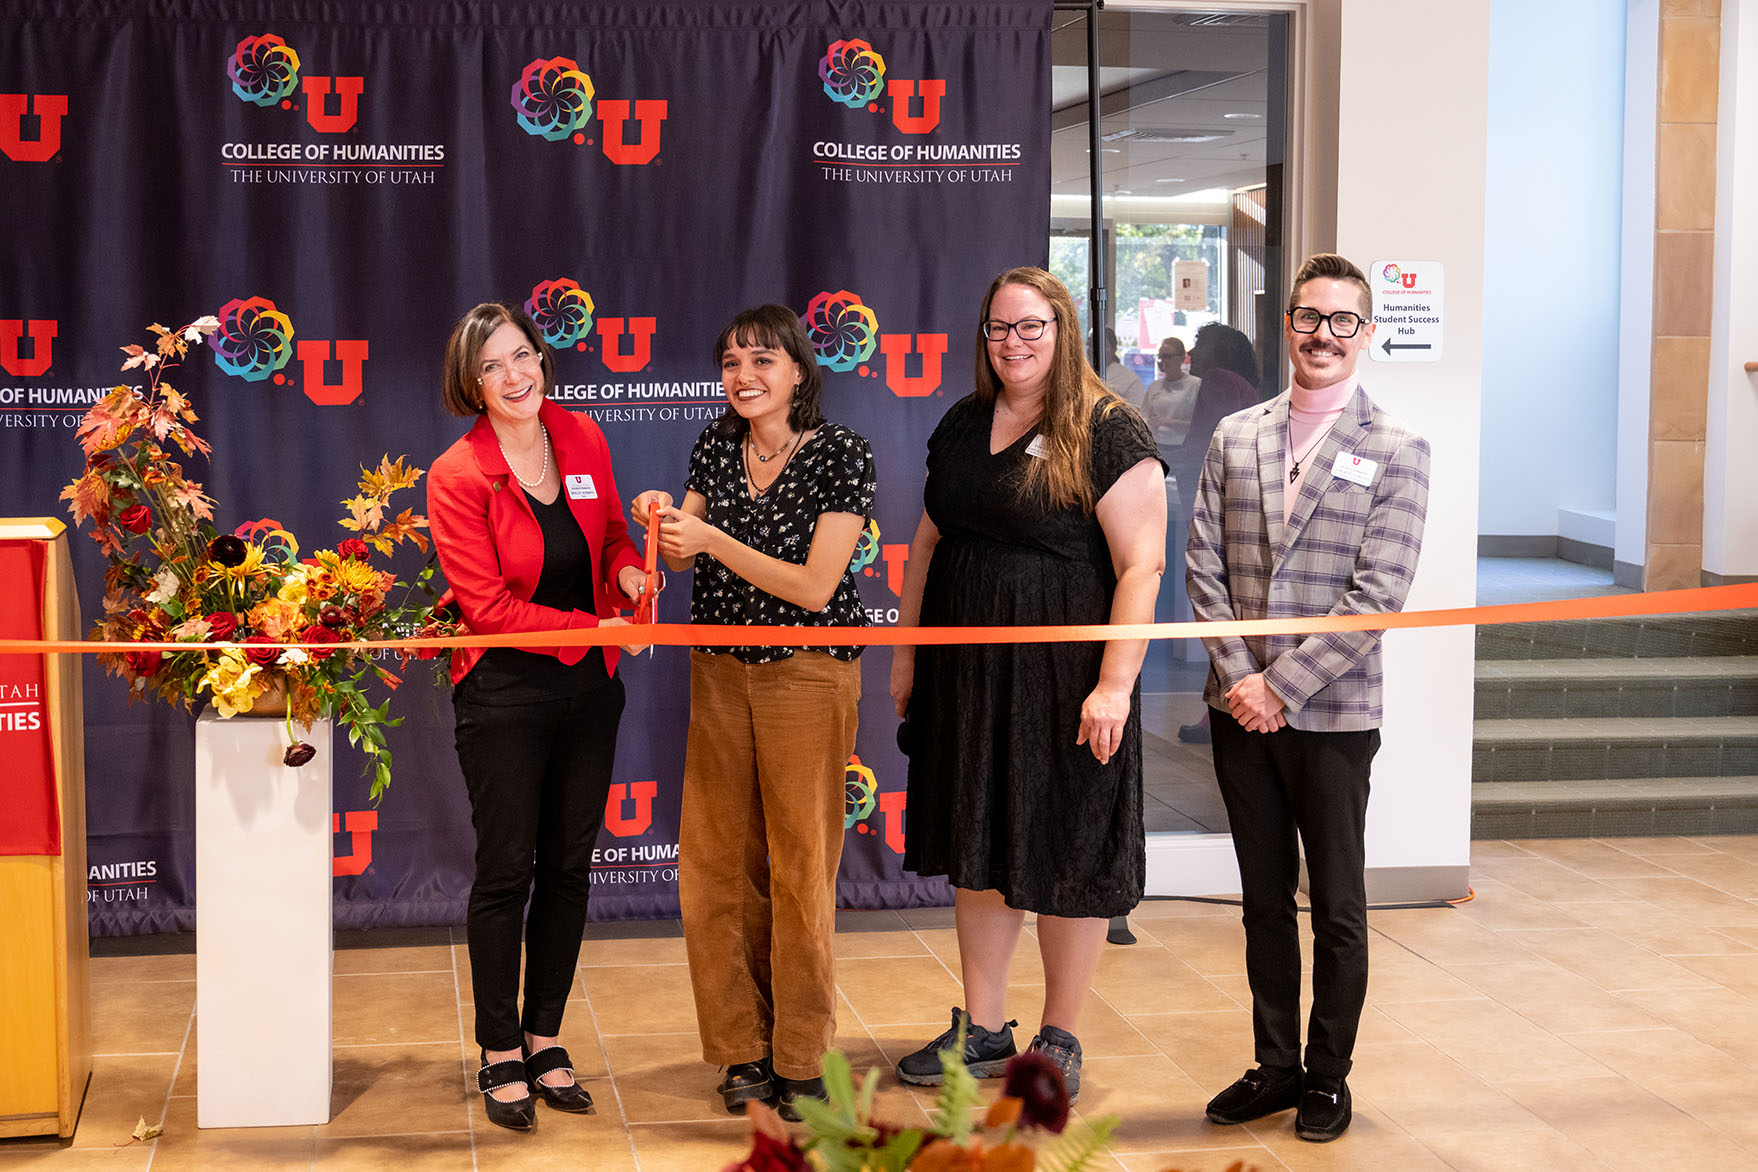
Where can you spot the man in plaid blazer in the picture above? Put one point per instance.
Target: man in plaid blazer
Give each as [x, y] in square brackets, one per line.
[1309, 504]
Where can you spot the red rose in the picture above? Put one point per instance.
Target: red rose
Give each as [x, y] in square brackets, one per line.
[332, 617]
[144, 663]
[136, 520]
[317, 633]
[261, 656]
[222, 624]
[352, 547]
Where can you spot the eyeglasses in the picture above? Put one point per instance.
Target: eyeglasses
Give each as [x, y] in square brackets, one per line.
[1029, 329]
[1305, 320]
[523, 358]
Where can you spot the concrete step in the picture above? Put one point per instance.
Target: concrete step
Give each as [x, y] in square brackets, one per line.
[1608, 808]
[1592, 748]
[1732, 632]
[1713, 685]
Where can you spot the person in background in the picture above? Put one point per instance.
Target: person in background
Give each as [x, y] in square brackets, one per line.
[776, 501]
[1169, 401]
[1309, 505]
[1122, 380]
[529, 531]
[1225, 362]
[1045, 503]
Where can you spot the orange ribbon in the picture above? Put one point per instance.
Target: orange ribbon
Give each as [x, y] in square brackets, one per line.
[1704, 599]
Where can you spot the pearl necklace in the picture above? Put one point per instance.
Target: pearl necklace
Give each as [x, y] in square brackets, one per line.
[542, 473]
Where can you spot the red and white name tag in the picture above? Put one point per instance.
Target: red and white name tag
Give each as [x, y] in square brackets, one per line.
[581, 488]
[1355, 469]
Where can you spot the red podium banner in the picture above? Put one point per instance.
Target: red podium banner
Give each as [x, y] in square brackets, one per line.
[32, 825]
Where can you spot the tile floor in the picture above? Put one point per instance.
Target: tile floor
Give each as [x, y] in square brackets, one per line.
[1595, 1006]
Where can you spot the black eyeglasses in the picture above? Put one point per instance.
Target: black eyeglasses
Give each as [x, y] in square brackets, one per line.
[1305, 320]
[1029, 329]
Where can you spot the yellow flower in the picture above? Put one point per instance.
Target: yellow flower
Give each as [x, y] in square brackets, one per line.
[357, 577]
[250, 567]
[234, 682]
[293, 587]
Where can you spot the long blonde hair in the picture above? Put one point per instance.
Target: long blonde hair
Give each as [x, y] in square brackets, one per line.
[1071, 393]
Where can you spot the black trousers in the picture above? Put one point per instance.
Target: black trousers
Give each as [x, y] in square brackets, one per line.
[538, 776]
[1314, 785]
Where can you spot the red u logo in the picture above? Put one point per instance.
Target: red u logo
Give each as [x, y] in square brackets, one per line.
[642, 794]
[615, 115]
[49, 109]
[900, 93]
[610, 330]
[348, 91]
[896, 348]
[352, 354]
[42, 352]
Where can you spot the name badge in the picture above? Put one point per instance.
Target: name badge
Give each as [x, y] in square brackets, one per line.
[1038, 447]
[581, 488]
[1355, 469]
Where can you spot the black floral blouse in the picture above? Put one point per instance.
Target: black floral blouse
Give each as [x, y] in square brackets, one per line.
[831, 473]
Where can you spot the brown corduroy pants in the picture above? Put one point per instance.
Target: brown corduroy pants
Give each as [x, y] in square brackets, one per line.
[758, 849]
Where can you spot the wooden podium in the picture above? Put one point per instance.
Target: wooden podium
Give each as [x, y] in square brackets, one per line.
[45, 1012]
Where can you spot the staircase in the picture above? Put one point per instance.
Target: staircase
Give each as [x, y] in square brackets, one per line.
[1607, 727]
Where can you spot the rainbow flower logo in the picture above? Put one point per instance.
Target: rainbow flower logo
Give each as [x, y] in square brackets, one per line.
[1391, 273]
[562, 310]
[844, 332]
[254, 339]
[553, 99]
[860, 793]
[264, 70]
[852, 72]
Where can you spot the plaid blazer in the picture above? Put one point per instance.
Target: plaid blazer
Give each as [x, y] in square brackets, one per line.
[1346, 548]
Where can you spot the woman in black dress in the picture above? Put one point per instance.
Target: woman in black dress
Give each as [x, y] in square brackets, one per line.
[1045, 503]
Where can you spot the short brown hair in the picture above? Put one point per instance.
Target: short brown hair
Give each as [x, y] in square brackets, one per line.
[460, 385]
[776, 327]
[1338, 268]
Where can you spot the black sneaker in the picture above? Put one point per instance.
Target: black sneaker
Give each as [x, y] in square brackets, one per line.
[1259, 1092]
[1325, 1110]
[1062, 1048]
[985, 1053]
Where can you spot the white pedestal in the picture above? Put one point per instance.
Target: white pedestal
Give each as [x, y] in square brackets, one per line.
[263, 925]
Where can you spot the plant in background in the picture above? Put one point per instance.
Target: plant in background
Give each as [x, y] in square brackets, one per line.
[1024, 1130]
[173, 577]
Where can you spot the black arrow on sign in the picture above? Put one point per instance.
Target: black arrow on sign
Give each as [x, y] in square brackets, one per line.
[1391, 346]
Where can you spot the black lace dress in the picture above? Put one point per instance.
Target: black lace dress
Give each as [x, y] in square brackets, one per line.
[1000, 796]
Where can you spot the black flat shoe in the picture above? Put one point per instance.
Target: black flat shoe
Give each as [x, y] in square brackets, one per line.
[518, 1115]
[745, 1081]
[572, 1097]
[790, 1091]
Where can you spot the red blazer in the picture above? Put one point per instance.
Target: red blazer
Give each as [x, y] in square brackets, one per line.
[491, 547]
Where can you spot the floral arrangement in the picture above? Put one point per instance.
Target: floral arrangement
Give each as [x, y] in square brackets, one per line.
[1027, 1128]
[174, 578]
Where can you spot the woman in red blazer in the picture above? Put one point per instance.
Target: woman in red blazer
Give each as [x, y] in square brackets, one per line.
[530, 534]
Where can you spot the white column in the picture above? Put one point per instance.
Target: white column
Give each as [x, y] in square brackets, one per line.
[1413, 102]
[263, 925]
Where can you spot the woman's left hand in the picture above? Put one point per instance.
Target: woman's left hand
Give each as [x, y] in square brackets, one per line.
[630, 580]
[1102, 716]
[683, 535]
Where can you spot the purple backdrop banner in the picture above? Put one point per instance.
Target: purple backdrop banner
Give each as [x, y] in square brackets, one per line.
[341, 181]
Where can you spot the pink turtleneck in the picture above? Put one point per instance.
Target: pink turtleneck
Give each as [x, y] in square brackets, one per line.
[1310, 416]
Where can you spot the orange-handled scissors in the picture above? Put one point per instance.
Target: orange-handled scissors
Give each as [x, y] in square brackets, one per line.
[646, 607]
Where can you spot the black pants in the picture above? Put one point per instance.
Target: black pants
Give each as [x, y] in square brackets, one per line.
[538, 776]
[1315, 784]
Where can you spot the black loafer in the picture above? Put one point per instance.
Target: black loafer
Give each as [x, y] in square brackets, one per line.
[1259, 1092]
[1324, 1113]
[790, 1091]
[571, 1097]
[745, 1081]
[518, 1115]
